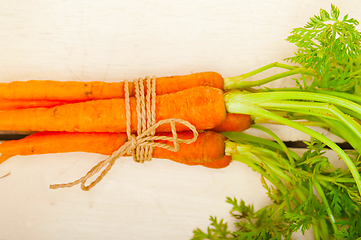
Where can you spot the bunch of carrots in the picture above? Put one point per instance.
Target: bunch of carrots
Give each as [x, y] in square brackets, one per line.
[90, 117]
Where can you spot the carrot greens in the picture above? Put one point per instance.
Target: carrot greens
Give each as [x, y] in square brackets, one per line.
[307, 191]
[306, 194]
[328, 53]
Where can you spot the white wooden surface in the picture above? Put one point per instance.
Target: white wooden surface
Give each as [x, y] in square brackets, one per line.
[113, 40]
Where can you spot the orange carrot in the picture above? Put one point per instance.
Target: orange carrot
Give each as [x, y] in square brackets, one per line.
[7, 104]
[234, 123]
[208, 147]
[82, 91]
[207, 150]
[221, 163]
[60, 142]
[202, 106]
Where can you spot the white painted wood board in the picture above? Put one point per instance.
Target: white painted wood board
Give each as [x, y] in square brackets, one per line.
[113, 40]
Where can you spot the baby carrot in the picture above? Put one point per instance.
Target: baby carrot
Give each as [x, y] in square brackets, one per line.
[82, 91]
[60, 142]
[208, 148]
[221, 163]
[234, 123]
[11, 104]
[203, 107]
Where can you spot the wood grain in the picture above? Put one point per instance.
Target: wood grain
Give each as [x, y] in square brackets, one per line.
[111, 40]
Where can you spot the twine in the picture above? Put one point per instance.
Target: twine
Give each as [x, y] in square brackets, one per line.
[140, 147]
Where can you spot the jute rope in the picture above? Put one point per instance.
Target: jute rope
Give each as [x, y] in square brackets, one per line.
[140, 147]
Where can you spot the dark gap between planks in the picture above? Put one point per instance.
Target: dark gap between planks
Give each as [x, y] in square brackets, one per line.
[295, 144]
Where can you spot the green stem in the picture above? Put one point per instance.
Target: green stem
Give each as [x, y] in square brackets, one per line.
[325, 202]
[280, 210]
[278, 161]
[249, 161]
[276, 168]
[278, 140]
[354, 73]
[344, 95]
[355, 115]
[300, 171]
[246, 138]
[239, 83]
[324, 229]
[276, 174]
[339, 130]
[316, 231]
[234, 104]
[330, 179]
[302, 120]
[332, 125]
[307, 108]
[294, 95]
[322, 110]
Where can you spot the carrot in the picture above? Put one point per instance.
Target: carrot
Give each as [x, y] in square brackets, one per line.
[202, 106]
[234, 123]
[82, 91]
[208, 148]
[7, 104]
[221, 163]
[60, 142]
[30, 89]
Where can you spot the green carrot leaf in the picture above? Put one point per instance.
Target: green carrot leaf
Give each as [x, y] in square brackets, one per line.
[332, 48]
[217, 231]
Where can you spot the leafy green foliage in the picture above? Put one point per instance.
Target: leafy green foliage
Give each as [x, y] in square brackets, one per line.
[251, 225]
[351, 229]
[296, 206]
[332, 48]
[325, 38]
[307, 191]
[216, 232]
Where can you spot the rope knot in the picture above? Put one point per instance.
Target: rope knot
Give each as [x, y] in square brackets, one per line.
[139, 146]
[132, 142]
